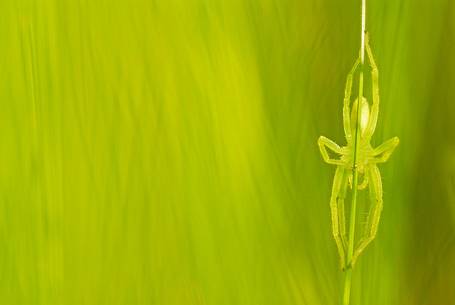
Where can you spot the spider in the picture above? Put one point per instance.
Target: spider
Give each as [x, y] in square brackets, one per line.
[366, 162]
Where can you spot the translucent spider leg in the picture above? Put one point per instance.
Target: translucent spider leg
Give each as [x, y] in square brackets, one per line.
[374, 214]
[338, 223]
[347, 102]
[364, 183]
[340, 203]
[382, 152]
[325, 143]
[360, 186]
[369, 130]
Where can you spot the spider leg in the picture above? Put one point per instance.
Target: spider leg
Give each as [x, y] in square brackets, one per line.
[375, 91]
[325, 143]
[382, 152]
[364, 183]
[347, 101]
[374, 214]
[341, 212]
[338, 193]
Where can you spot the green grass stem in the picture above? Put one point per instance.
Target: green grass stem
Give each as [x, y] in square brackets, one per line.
[348, 274]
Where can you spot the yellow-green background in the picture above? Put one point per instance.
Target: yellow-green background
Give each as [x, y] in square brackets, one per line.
[164, 152]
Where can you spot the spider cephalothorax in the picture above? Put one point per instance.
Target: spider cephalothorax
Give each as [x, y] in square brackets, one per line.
[366, 161]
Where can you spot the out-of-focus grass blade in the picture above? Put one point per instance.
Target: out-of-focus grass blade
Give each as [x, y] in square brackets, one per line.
[164, 152]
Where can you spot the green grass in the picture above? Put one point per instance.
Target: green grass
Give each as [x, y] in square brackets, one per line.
[164, 152]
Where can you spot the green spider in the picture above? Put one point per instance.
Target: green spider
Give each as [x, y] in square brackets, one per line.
[367, 160]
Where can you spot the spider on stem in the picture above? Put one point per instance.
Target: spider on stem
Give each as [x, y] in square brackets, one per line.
[365, 162]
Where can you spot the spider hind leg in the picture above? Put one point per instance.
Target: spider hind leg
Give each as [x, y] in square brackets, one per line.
[374, 214]
[337, 210]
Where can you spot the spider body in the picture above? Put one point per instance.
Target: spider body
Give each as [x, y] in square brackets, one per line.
[364, 151]
[365, 162]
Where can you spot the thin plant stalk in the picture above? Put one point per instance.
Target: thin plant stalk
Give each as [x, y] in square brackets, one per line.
[348, 274]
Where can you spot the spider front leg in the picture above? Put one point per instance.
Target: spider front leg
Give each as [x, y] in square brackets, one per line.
[369, 130]
[347, 101]
[337, 209]
[374, 214]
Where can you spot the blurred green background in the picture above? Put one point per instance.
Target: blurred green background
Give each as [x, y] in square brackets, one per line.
[164, 152]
